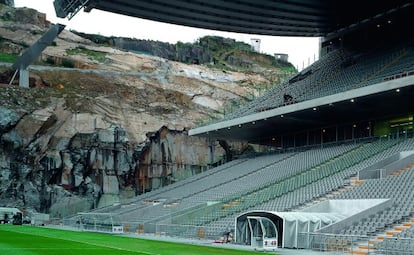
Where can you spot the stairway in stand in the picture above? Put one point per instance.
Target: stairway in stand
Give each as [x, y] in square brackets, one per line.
[372, 244]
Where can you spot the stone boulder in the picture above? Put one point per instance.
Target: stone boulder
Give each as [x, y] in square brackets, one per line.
[8, 118]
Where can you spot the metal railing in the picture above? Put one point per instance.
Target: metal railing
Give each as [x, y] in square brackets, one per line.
[330, 242]
[182, 231]
[353, 244]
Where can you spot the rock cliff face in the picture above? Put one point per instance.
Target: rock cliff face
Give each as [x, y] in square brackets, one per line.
[111, 126]
[53, 160]
[7, 2]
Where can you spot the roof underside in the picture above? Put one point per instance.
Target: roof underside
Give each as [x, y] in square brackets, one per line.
[267, 17]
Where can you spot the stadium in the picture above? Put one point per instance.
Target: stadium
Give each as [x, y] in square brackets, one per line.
[339, 173]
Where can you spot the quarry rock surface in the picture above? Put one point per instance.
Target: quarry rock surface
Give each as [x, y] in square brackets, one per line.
[100, 124]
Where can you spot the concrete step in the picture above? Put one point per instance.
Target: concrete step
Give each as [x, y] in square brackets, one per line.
[358, 252]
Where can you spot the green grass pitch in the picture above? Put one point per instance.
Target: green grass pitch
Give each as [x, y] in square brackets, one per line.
[25, 240]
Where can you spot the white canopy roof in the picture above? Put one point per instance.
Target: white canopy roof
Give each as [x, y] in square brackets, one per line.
[289, 224]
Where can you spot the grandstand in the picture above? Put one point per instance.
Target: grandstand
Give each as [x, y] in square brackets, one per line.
[338, 72]
[209, 202]
[340, 130]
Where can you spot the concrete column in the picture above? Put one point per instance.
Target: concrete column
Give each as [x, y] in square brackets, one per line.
[24, 78]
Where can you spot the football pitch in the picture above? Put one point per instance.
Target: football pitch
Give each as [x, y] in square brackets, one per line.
[26, 240]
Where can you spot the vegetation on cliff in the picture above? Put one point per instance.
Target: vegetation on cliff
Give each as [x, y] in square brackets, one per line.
[214, 51]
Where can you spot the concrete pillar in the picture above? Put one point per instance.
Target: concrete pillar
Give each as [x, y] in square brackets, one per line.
[24, 78]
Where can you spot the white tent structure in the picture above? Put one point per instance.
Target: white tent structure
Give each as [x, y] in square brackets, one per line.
[268, 230]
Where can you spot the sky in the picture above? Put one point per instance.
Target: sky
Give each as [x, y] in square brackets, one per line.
[301, 50]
